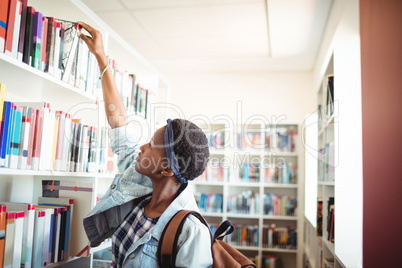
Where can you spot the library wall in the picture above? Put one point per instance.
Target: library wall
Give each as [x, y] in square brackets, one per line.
[381, 65]
[266, 93]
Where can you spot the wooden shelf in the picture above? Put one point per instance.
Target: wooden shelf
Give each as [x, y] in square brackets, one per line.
[280, 250]
[330, 246]
[286, 218]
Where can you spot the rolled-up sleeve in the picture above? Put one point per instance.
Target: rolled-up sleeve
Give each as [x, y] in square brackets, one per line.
[124, 143]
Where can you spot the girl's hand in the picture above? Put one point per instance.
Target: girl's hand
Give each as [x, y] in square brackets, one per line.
[94, 43]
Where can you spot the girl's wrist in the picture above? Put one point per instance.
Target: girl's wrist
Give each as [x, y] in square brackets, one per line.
[102, 60]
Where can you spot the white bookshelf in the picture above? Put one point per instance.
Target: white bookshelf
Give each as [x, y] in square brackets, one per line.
[231, 184]
[24, 83]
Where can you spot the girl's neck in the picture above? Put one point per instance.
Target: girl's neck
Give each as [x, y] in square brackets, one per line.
[164, 192]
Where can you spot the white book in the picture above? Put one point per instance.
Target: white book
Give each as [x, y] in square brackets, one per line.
[71, 53]
[18, 235]
[28, 229]
[84, 149]
[66, 142]
[25, 131]
[16, 33]
[38, 238]
[57, 240]
[60, 138]
[84, 60]
[9, 245]
[56, 69]
[44, 162]
[47, 234]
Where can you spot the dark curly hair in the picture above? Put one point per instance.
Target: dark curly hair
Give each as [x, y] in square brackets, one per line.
[190, 148]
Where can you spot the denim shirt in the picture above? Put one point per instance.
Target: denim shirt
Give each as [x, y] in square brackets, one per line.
[194, 242]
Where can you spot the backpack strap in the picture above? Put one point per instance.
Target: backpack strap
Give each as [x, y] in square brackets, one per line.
[225, 228]
[167, 249]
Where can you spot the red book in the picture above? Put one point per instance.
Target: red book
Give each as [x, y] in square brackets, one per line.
[22, 29]
[3, 23]
[44, 43]
[31, 138]
[10, 26]
[37, 140]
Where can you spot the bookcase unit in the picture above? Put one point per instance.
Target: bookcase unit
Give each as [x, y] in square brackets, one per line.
[225, 179]
[24, 83]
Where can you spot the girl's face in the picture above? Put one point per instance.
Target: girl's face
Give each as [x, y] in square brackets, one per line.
[152, 158]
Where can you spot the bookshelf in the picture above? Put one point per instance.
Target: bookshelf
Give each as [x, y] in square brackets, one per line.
[318, 249]
[25, 83]
[226, 180]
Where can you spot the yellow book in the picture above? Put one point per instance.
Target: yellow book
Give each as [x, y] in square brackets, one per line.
[55, 132]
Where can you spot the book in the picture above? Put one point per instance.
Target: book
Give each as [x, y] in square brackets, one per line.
[31, 138]
[15, 137]
[44, 44]
[55, 133]
[47, 233]
[24, 11]
[9, 243]
[37, 142]
[18, 239]
[69, 48]
[319, 217]
[25, 137]
[2, 232]
[28, 212]
[37, 41]
[3, 23]
[13, 27]
[56, 53]
[10, 135]
[5, 126]
[66, 139]
[50, 45]
[38, 238]
[29, 33]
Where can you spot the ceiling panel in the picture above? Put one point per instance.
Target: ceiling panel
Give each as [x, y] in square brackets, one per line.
[148, 48]
[237, 19]
[296, 26]
[104, 5]
[124, 24]
[148, 4]
[217, 47]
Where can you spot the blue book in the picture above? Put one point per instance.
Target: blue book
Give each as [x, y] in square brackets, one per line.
[67, 233]
[4, 134]
[15, 138]
[10, 134]
[51, 237]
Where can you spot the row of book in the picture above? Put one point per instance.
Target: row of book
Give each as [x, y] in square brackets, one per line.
[279, 237]
[216, 140]
[271, 262]
[136, 99]
[35, 235]
[210, 202]
[249, 172]
[286, 174]
[247, 202]
[34, 136]
[244, 235]
[52, 46]
[326, 162]
[279, 205]
[330, 220]
[215, 171]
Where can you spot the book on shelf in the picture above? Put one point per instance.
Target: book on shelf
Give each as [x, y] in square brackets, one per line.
[249, 172]
[28, 220]
[244, 235]
[3, 213]
[38, 238]
[210, 202]
[329, 108]
[271, 262]
[285, 173]
[14, 238]
[330, 231]
[279, 205]
[216, 140]
[216, 171]
[3, 23]
[13, 28]
[326, 162]
[319, 216]
[249, 140]
[279, 237]
[281, 138]
[247, 202]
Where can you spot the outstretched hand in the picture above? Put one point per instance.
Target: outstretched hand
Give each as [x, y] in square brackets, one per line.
[94, 42]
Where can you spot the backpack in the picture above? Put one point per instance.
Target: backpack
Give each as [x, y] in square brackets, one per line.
[223, 254]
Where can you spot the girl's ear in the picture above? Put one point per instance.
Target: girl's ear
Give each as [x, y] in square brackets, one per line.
[167, 172]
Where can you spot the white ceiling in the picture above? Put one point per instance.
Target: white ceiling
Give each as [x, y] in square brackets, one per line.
[219, 35]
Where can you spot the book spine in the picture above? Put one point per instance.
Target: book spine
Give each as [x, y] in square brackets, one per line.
[44, 44]
[2, 94]
[38, 239]
[25, 131]
[3, 23]
[31, 138]
[11, 135]
[46, 237]
[10, 27]
[60, 137]
[37, 41]
[18, 237]
[28, 233]
[55, 138]
[56, 54]
[22, 29]
[50, 44]
[37, 140]
[2, 233]
[67, 233]
[16, 34]
[9, 244]
[29, 31]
